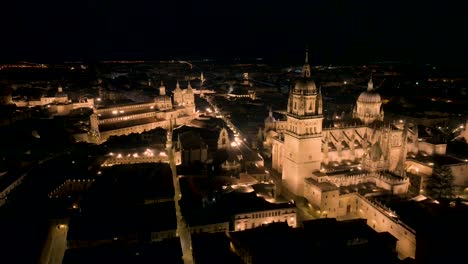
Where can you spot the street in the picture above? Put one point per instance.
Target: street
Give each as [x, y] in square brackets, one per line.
[56, 243]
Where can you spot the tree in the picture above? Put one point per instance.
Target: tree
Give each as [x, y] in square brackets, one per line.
[440, 184]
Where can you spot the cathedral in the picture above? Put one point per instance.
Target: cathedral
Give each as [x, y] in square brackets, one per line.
[368, 150]
[338, 169]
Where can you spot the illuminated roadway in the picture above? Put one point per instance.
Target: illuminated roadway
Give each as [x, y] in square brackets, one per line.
[182, 230]
[303, 211]
[56, 244]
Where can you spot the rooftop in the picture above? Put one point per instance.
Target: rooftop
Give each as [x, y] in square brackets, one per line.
[168, 250]
[324, 239]
[128, 123]
[116, 113]
[324, 186]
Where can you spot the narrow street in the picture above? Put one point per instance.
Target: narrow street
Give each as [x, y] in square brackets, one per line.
[56, 243]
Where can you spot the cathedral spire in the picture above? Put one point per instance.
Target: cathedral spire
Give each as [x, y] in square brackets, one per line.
[370, 84]
[202, 78]
[400, 168]
[306, 68]
[60, 89]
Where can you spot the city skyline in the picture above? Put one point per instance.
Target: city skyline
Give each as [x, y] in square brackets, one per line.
[233, 132]
[339, 33]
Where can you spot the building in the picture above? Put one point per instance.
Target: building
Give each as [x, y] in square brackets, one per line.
[331, 166]
[369, 105]
[163, 112]
[59, 104]
[323, 240]
[234, 207]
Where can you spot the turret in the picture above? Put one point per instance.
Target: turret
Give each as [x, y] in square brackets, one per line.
[189, 87]
[319, 102]
[178, 97]
[162, 89]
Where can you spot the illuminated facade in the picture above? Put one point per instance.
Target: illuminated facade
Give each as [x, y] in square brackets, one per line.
[250, 220]
[138, 118]
[369, 105]
[58, 104]
[301, 147]
[338, 169]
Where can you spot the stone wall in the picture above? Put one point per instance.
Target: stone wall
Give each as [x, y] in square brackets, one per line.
[384, 220]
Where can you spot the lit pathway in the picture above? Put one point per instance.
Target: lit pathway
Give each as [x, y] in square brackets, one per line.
[56, 243]
[182, 230]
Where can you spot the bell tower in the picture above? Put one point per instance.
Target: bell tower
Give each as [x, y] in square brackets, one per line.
[303, 136]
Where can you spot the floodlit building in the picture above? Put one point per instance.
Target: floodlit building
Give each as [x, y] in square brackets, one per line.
[331, 166]
[141, 117]
[58, 104]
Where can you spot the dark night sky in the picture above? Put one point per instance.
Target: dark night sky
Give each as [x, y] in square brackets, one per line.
[336, 31]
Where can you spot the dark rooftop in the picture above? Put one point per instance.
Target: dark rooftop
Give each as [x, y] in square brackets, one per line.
[167, 251]
[108, 223]
[324, 186]
[323, 239]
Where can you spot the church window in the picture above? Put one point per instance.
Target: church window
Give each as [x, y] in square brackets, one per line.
[223, 141]
[295, 105]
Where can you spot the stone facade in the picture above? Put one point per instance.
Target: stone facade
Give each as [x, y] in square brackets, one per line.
[142, 117]
[254, 219]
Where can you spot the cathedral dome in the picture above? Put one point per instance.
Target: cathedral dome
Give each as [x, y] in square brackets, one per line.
[305, 85]
[369, 97]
